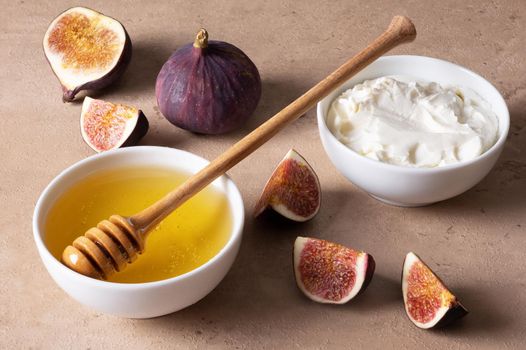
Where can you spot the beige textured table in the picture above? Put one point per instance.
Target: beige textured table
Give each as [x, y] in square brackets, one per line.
[476, 242]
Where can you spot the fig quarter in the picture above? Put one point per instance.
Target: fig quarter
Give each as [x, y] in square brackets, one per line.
[293, 190]
[428, 302]
[105, 125]
[330, 273]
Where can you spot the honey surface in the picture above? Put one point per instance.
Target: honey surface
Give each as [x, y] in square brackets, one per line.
[185, 240]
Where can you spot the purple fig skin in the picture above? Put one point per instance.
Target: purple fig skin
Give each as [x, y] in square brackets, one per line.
[209, 90]
[453, 314]
[108, 79]
[138, 133]
[369, 272]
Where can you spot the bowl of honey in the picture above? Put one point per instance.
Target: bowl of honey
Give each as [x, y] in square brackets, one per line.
[186, 255]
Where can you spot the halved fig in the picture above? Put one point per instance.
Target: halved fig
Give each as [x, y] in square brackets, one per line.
[105, 125]
[293, 189]
[428, 302]
[86, 50]
[330, 273]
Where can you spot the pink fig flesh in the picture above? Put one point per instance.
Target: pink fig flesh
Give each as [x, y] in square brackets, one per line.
[293, 190]
[105, 125]
[327, 272]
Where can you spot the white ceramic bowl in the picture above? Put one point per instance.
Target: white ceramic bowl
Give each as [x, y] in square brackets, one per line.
[139, 300]
[406, 186]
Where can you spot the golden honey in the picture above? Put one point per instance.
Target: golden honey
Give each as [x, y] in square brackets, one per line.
[185, 240]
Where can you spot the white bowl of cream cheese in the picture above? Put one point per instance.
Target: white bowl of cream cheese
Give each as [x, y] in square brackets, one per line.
[413, 130]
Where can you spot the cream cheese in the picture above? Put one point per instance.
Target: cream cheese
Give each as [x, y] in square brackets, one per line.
[417, 124]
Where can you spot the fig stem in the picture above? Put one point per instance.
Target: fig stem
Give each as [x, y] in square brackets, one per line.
[201, 39]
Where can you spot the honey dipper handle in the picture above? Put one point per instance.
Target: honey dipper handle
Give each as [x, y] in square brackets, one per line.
[400, 30]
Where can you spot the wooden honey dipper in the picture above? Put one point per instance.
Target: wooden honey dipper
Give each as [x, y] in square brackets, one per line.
[116, 242]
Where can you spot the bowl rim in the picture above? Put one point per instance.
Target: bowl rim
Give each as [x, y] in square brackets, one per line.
[233, 196]
[497, 146]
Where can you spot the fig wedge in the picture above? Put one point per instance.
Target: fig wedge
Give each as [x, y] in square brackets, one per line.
[330, 273]
[86, 50]
[105, 125]
[428, 302]
[293, 190]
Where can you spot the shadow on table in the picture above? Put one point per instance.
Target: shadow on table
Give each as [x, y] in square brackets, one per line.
[140, 76]
[274, 224]
[381, 292]
[485, 315]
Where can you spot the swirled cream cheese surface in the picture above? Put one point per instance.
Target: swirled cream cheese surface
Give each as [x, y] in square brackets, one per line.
[403, 122]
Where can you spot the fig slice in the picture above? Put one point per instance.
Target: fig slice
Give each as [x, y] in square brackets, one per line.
[293, 190]
[105, 125]
[86, 50]
[330, 273]
[428, 302]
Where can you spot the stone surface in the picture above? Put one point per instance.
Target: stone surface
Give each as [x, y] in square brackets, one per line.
[476, 241]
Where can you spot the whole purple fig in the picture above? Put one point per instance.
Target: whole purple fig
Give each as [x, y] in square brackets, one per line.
[208, 87]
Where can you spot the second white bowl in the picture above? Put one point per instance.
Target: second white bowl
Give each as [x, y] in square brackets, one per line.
[405, 186]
